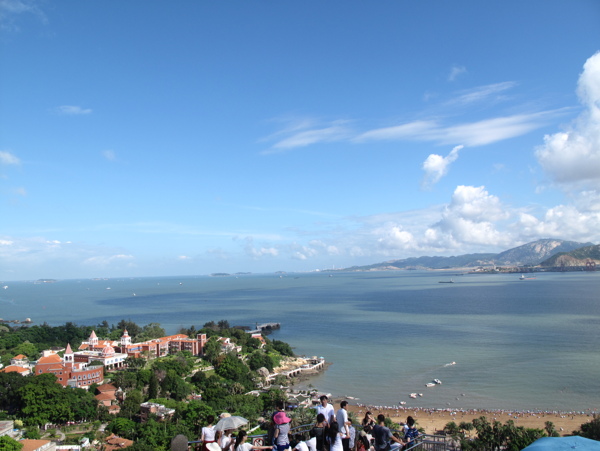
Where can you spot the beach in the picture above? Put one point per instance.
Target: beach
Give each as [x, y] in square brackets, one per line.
[433, 420]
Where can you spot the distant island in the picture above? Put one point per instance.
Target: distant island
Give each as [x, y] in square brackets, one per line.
[545, 254]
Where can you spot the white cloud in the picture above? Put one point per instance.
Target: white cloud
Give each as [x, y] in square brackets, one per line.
[471, 134]
[8, 158]
[573, 156]
[562, 221]
[109, 155]
[259, 252]
[469, 219]
[107, 260]
[10, 10]
[394, 237]
[305, 133]
[72, 110]
[409, 130]
[455, 71]
[487, 93]
[436, 166]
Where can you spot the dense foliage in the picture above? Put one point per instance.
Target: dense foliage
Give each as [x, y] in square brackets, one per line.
[495, 436]
[176, 381]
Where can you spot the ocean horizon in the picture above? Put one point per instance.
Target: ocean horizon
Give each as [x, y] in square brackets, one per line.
[516, 344]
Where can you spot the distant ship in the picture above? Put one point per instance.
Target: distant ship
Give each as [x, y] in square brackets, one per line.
[446, 281]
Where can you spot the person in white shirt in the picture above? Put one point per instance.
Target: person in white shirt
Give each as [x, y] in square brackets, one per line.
[326, 409]
[343, 424]
[208, 432]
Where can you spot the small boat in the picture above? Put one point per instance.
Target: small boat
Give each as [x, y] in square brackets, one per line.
[437, 381]
[420, 394]
[446, 281]
[413, 395]
[430, 384]
[402, 403]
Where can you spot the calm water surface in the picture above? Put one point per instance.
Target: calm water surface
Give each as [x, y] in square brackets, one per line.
[531, 344]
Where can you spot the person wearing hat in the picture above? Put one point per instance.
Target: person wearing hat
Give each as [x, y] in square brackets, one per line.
[282, 429]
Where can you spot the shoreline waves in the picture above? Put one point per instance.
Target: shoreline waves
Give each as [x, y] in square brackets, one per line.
[433, 420]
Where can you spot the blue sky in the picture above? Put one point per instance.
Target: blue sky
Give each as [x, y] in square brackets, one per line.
[173, 138]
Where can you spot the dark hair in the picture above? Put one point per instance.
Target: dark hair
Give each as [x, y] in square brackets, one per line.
[210, 419]
[381, 418]
[334, 428]
[320, 418]
[343, 404]
[279, 404]
[239, 438]
[323, 397]
[410, 421]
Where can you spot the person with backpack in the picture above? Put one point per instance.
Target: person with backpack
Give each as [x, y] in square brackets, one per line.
[410, 433]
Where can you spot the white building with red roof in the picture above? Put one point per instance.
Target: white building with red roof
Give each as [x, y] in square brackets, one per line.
[68, 371]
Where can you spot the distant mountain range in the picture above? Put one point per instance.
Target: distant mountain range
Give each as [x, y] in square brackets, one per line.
[578, 257]
[528, 254]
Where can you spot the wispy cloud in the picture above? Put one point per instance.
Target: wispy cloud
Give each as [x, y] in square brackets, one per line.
[398, 132]
[109, 155]
[436, 166]
[8, 158]
[10, 10]
[456, 71]
[72, 110]
[482, 93]
[472, 134]
[305, 133]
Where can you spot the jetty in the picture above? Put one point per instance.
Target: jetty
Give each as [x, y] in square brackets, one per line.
[265, 327]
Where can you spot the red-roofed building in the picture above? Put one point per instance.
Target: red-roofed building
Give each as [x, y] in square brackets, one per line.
[23, 371]
[37, 445]
[114, 442]
[69, 372]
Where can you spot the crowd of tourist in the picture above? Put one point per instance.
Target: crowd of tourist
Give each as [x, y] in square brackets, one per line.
[332, 431]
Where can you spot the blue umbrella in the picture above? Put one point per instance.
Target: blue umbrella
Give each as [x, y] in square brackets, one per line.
[566, 443]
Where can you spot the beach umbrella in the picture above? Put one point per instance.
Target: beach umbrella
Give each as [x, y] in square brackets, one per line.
[566, 443]
[230, 423]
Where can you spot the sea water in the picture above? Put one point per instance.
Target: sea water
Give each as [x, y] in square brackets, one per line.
[517, 344]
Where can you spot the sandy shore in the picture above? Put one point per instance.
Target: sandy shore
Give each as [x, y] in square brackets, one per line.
[435, 420]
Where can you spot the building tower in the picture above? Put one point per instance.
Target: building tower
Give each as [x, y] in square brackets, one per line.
[68, 357]
[93, 340]
[125, 339]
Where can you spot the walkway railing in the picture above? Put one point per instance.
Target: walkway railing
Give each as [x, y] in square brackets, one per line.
[426, 442]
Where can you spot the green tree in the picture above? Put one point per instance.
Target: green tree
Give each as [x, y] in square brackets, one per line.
[123, 427]
[283, 348]
[26, 348]
[212, 349]
[10, 399]
[44, 401]
[9, 444]
[131, 405]
[152, 331]
[194, 415]
[590, 430]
